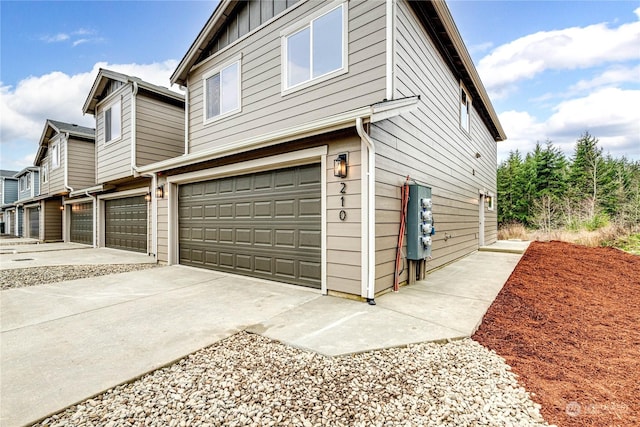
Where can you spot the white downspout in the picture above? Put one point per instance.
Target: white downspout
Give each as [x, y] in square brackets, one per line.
[371, 212]
[132, 129]
[66, 163]
[186, 118]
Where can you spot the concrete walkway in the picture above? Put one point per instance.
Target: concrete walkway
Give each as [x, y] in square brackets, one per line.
[63, 343]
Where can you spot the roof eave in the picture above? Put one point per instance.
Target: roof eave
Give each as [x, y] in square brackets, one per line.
[179, 76]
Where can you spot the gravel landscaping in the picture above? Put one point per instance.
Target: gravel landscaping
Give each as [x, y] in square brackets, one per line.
[251, 380]
[23, 277]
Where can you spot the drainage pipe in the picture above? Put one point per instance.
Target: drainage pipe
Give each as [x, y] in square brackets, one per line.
[370, 235]
[132, 128]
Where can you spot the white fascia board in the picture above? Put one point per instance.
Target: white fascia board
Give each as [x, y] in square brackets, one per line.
[386, 110]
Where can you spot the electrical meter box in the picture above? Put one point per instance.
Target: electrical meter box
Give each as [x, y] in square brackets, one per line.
[419, 222]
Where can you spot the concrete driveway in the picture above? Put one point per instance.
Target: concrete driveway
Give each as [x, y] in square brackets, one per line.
[63, 343]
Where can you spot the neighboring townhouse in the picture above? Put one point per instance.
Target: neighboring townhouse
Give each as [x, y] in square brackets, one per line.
[66, 159]
[8, 195]
[137, 123]
[25, 212]
[304, 119]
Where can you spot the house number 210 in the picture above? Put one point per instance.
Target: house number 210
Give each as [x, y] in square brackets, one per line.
[343, 190]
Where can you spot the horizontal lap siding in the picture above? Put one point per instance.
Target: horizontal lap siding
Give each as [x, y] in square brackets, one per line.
[344, 264]
[163, 229]
[114, 159]
[160, 130]
[429, 145]
[264, 109]
[56, 176]
[82, 171]
[52, 220]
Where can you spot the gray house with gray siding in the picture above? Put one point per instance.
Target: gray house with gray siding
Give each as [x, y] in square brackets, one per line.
[137, 123]
[8, 195]
[66, 159]
[303, 121]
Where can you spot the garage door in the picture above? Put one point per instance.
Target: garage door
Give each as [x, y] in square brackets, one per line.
[34, 223]
[126, 224]
[265, 225]
[82, 223]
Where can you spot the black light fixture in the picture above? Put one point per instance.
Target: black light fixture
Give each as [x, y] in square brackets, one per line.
[160, 192]
[340, 166]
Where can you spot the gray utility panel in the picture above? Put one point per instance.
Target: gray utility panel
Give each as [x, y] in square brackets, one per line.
[419, 222]
[265, 225]
[126, 224]
[34, 223]
[82, 223]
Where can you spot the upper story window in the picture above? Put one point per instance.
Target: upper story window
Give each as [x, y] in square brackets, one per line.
[28, 178]
[465, 110]
[113, 122]
[55, 155]
[44, 173]
[315, 50]
[222, 91]
[23, 182]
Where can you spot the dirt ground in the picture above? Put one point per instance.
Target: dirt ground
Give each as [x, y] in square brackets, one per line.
[567, 321]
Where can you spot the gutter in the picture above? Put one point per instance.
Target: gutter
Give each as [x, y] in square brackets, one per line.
[66, 163]
[368, 218]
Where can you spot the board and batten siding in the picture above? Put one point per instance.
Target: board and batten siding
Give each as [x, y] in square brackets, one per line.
[81, 163]
[429, 145]
[264, 108]
[113, 160]
[344, 238]
[159, 130]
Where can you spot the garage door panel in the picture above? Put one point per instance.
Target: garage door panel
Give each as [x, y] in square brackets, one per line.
[126, 223]
[265, 224]
[34, 223]
[81, 229]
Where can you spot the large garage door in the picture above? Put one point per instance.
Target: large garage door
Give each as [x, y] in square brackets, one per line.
[265, 225]
[34, 223]
[126, 224]
[82, 223]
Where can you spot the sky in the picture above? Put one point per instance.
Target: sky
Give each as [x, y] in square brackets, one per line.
[553, 69]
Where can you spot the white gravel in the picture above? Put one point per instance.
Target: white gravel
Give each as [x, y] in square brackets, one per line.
[251, 380]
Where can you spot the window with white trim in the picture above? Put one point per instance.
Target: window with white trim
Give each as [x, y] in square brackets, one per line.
[316, 50]
[491, 201]
[55, 155]
[465, 107]
[222, 91]
[44, 173]
[113, 122]
[23, 182]
[28, 176]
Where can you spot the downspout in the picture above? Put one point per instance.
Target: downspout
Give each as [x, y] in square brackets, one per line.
[186, 118]
[371, 212]
[66, 163]
[134, 170]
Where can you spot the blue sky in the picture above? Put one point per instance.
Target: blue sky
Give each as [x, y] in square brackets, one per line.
[553, 69]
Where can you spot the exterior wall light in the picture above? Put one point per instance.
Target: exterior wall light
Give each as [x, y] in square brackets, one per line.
[340, 166]
[61, 207]
[160, 192]
[147, 197]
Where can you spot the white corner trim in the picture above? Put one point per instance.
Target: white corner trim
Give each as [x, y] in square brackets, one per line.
[389, 65]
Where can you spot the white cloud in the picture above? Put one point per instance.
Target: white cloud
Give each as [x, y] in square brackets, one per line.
[59, 96]
[566, 49]
[616, 74]
[609, 114]
[60, 37]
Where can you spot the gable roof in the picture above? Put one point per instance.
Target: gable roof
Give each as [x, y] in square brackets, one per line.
[55, 127]
[27, 170]
[438, 22]
[105, 76]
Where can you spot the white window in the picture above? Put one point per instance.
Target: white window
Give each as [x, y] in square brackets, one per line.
[491, 201]
[55, 155]
[315, 50]
[222, 91]
[23, 182]
[28, 177]
[465, 106]
[113, 122]
[44, 172]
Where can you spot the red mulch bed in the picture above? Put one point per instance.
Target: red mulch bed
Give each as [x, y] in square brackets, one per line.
[567, 321]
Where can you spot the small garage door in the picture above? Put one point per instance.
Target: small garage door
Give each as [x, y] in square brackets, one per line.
[34, 223]
[82, 223]
[126, 224]
[265, 225]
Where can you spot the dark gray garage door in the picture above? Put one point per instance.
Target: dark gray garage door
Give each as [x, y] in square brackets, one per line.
[265, 225]
[34, 223]
[126, 224]
[82, 223]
